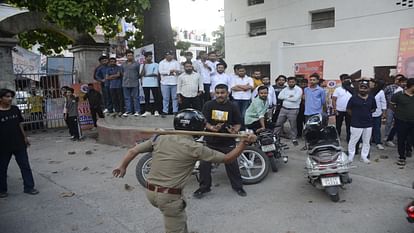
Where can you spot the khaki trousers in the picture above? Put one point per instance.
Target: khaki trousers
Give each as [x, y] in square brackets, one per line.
[172, 206]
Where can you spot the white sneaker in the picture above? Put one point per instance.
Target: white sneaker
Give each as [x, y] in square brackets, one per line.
[105, 111]
[146, 114]
[136, 114]
[380, 147]
[367, 161]
[389, 143]
[125, 114]
[156, 114]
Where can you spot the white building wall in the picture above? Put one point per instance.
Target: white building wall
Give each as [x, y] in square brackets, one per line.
[365, 35]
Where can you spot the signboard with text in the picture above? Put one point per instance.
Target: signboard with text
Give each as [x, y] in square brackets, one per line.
[405, 62]
[305, 69]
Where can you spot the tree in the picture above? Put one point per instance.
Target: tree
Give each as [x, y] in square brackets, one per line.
[218, 43]
[82, 16]
[157, 28]
[183, 45]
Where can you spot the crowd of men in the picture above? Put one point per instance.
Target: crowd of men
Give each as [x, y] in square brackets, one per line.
[362, 104]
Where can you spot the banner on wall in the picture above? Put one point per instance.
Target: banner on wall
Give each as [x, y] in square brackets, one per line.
[85, 117]
[305, 69]
[405, 63]
[25, 61]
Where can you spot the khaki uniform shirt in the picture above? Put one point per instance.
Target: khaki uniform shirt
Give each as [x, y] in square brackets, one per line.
[174, 157]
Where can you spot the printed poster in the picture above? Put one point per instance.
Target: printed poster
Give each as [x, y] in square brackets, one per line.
[305, 69]
[405, 63]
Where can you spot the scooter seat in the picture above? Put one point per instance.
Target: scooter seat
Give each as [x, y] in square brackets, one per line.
[325, 156]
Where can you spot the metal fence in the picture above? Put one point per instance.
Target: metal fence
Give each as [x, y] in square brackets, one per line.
[39, 98]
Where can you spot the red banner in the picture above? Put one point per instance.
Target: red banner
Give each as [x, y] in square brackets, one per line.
[308, 68]
[405, 63]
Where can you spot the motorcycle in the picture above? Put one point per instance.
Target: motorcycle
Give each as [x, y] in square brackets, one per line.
[270, 144]
[253, 164]
[327, 166]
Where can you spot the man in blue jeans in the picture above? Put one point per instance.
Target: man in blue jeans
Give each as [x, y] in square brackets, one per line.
[100, 73]
[13, 141]
[130, 85]
[169, 69]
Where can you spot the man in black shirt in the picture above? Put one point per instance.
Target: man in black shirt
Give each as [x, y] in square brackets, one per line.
[13, 141]
[224, 117]
[360, 107]
[95, 103]
[403, 104]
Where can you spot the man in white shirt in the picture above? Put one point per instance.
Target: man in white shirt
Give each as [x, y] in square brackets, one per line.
[291, 97]
[189, 88]
[340, 99]
[206, 69]
[241, 88]
[271, 97]
[169, 70]
[219, 78]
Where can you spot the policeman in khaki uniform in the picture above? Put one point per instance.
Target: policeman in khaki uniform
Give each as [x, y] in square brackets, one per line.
[173, 161]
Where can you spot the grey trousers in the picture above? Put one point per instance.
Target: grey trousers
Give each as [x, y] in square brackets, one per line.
[290, 115]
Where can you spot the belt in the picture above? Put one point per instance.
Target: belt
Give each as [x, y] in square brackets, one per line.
[290, 108]
[161, 189]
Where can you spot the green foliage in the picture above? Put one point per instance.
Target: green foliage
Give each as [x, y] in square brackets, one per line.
[53, 43]
[84, 16]
[184, 46]
[218, 43]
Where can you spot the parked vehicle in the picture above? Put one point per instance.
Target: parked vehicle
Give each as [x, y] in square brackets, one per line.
[327, 166]
[253, 163]
[270, 144]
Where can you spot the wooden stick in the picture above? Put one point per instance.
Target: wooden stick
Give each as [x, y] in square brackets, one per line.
[191, 133]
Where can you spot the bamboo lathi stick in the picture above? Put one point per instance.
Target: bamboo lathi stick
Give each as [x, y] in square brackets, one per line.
[191, 133]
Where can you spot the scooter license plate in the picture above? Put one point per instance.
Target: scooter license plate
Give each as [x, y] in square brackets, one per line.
[267, 148]
[330, 181]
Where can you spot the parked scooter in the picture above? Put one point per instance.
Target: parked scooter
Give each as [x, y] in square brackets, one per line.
[327, 165]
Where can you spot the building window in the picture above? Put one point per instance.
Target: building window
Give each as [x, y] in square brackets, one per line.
[323, 19]
[254, 2]
[257, 28]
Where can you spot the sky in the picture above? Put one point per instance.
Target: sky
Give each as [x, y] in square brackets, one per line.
[200, 15]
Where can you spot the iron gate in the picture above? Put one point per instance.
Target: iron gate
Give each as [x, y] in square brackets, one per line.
[40, 100]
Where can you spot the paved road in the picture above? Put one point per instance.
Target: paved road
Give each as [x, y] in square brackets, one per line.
[283, 202]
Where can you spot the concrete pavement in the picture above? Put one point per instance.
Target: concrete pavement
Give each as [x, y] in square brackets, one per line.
[283, 202]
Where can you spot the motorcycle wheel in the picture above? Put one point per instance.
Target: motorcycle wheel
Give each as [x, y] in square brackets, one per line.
[253, 164]
[273, 164]
[333, 193]
[143, 168]
[334, 198]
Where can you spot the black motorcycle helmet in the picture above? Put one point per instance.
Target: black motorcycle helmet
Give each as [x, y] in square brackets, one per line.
[314, 125]
[189, 119]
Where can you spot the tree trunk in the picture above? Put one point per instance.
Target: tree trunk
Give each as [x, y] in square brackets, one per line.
[157, 28]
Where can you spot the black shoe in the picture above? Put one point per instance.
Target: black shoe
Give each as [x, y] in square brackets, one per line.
[31, 191]
[295, 142]
[163, 115]
[3, 195]
[241, 192]
[401, 162]
[199, 193]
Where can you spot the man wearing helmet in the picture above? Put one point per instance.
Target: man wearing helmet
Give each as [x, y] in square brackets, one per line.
[173, 160]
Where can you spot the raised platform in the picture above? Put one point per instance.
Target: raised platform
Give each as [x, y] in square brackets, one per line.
[122, 131]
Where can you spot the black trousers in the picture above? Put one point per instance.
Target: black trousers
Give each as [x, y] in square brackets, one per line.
[96, 111]
[156, 93]
[232, 170]
[74, 128]
[191, 102]
[117, 99]
[339, 118]
[23, 163]
[405, 136]
[300, 121]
